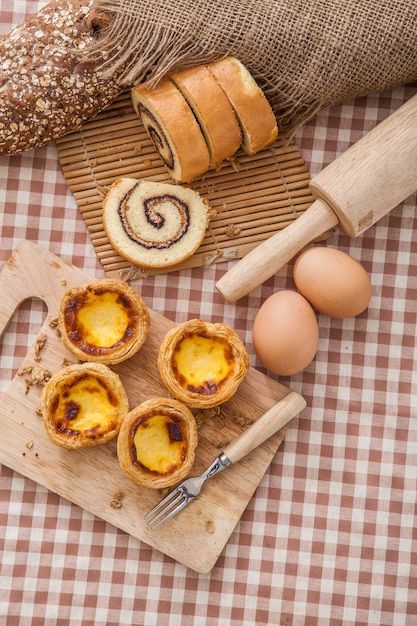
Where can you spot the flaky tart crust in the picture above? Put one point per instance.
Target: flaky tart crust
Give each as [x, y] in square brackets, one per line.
[202, 363]
[104, 321]
[83, 405]
[156, 444]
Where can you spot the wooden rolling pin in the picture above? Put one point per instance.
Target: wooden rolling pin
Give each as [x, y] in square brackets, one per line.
[362, 185]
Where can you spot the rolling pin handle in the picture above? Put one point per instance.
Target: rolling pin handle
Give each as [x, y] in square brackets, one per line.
[273, 253]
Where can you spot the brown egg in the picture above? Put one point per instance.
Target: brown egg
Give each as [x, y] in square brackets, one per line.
[285, 333]
[332, 281]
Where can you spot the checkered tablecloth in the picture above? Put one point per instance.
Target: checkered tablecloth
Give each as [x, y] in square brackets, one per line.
[330, 536]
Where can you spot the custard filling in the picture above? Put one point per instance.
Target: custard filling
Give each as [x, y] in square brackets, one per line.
[86, 405]
[160, 443]
[203, 363]
[103, 320]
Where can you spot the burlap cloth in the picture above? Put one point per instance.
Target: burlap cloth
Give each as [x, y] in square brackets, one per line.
[305, 54]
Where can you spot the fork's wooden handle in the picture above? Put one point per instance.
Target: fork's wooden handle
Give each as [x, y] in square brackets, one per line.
[266, 426]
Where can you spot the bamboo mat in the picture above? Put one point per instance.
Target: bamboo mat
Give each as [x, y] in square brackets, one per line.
[253, 196]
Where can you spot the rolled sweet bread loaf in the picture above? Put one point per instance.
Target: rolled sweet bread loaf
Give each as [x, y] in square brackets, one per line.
[152, 224]
[200, 116]
[45, 89]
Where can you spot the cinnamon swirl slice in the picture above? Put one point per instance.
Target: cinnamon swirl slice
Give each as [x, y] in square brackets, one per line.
[173, 128]
[154, 225]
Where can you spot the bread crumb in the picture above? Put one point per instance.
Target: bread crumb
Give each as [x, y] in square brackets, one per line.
[37, 376]
[233, 231]
[210, 526]
[241, 420]
[54, 324]
[39, 345]
[212, 213]
[117, 501]
[213, 413]
[29, 445]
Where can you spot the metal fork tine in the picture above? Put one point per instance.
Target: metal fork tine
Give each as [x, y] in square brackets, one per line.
[185, 493]
[163, 507]
[168, 513]
[163, 503]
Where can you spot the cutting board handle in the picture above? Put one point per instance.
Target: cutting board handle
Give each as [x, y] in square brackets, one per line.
[12, 298]
[43, 277]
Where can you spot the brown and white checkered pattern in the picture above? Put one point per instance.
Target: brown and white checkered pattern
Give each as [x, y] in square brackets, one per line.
[330, 536]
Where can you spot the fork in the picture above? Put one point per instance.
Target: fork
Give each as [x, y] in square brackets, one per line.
[261, 430]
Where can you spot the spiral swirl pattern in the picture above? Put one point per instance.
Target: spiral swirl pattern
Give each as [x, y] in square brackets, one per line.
[154, 224]
[162, 222]
[157, 136]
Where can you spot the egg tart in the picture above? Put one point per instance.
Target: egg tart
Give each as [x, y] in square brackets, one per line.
[157, 442]
[201, 363]
[83, 405]
[104, 321]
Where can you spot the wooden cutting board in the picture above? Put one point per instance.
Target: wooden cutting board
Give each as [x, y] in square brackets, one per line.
[91, 478]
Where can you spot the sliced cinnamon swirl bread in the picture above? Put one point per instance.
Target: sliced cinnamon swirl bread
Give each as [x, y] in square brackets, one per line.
[153, 224]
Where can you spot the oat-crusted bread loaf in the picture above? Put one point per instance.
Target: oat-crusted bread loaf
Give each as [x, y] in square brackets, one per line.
[212, 110]
[154, 224]
[45, 92]
[171, 124]
[256, 117]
